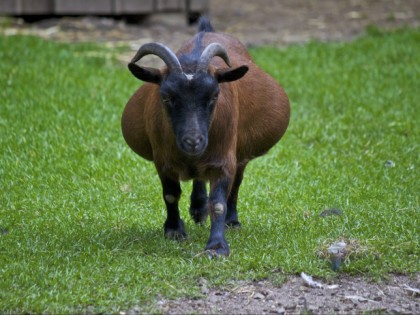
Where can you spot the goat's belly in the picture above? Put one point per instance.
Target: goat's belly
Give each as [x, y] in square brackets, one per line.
[136, 138]
[264, 115]
[258, 137]
[258, 144]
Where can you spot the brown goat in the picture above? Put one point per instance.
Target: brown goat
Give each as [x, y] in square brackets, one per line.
[202, 118]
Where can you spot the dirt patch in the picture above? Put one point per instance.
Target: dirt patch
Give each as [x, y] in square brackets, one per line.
[348, 295]
[271, 22]
[263, 22]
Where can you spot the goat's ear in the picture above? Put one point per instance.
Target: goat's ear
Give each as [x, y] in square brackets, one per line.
[146, 74]
[228, 75]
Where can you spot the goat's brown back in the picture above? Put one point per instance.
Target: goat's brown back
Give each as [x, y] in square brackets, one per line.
[251, 115]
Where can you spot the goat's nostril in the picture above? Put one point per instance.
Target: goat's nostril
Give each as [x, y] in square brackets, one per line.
[198, 140]
[193, 142]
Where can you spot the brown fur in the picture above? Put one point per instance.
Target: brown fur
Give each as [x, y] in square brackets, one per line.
[251, 116]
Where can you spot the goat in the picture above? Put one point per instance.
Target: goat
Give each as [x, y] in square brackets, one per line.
[202, 118]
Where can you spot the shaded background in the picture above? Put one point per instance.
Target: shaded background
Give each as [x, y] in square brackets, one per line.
[263, 22]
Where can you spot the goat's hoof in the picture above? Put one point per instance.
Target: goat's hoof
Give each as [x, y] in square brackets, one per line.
[199, 215]
[217, 249]
[233, 224]
[175, 233]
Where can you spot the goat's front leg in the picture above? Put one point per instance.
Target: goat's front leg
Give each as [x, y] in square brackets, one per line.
[219, 190]
[198, 208]
[174, 226]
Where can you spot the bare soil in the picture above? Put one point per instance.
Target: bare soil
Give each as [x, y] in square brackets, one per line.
[353, 295]
[263, 22]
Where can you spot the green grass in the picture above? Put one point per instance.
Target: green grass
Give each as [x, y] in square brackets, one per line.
[81, 215]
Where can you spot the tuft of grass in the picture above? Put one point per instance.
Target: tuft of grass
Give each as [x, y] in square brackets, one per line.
[353, 249]
[81, 216]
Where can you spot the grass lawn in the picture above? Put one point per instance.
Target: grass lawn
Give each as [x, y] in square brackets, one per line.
[81, 215]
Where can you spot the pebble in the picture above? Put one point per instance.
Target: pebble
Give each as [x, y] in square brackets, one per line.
[390, 163]
[258, 296]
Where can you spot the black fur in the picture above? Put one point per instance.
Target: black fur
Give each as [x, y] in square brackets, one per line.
[204, 24]
[189, 61]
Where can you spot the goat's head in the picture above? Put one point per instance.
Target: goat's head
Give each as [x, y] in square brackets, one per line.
[189, 98]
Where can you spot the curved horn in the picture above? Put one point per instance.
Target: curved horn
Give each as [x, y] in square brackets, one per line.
[212, 50]
[163, 52]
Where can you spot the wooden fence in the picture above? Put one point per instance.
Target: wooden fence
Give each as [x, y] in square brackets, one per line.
[100, 7]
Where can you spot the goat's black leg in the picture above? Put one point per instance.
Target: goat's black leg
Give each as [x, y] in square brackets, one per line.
[232, 212]
[173, 227]
[217, 244]
[198, 207]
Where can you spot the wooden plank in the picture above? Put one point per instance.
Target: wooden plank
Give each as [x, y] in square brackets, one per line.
[83, 6]
[133, 6]
[199, 6]
[37, 7]
[28, 7]
[8, 7]
[171, 5]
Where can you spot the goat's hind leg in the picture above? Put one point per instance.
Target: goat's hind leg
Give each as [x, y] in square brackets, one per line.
[232, 212]
[174, 226]
[198, 207]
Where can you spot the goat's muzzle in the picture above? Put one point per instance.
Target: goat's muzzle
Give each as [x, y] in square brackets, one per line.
[193, 144]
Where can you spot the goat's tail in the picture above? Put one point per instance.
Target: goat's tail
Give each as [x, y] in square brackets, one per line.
[204, 24]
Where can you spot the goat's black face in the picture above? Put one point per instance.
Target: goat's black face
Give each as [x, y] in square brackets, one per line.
[190, 100]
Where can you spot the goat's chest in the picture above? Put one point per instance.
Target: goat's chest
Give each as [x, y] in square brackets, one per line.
[191, 169]
[195, 169]
[188, 172]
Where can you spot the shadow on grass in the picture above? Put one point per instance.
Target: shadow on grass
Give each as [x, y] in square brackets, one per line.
[148, 241]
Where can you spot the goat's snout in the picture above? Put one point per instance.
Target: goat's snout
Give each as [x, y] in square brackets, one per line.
[193, 143]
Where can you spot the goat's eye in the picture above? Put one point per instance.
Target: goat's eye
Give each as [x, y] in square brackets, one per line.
[213, 99]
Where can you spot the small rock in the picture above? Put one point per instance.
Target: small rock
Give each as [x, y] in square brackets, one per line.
[205, 290]
[281, 310]
[390, 163]
[397, 310]
[311, 309]
[270, 297]
[290, 307]
[258, 296]
[203, 284]
[134, 311]
[265, 292]
[355, 15]
[407, 306]
[336, 251]
[337, 248]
